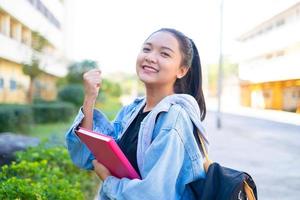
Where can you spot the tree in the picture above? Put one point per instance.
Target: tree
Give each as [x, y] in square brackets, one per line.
[71, 88]
[77, 69]
[72, 84]
[111, 88]
[32, 69]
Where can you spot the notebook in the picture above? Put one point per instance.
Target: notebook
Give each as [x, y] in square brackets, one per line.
[108, 153]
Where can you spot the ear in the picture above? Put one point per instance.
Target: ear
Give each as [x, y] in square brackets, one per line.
[182, 72]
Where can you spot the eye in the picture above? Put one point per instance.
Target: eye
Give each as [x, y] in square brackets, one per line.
[146, 49]
[165, 54]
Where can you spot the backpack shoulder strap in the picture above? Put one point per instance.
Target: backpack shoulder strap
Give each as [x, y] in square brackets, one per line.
[202, 148]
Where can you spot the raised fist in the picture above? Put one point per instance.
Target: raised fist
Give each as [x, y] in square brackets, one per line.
[92, 83]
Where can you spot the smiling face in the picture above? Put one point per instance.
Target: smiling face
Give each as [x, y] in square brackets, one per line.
[159, 61]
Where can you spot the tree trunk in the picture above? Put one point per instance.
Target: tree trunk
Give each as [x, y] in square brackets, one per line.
[30, 91]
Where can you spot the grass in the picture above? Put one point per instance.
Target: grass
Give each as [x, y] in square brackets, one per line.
[54, 132]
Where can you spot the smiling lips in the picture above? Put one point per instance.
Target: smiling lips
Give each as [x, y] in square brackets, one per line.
[149, 68]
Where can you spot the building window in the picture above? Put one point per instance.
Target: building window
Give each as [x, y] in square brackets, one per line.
[26, 36]
[12, 85]
[16, 30]
[1, 83]
[1, 23]
[280, 22]
[4, 24]
[280, 53]
[38, 85]
[269, 56]
[269, 28]
[38, 4]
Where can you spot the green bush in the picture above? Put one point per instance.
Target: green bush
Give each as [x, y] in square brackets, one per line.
[53, 112]
[39, 100]
[15, 118]
[20, 118]
[72, 93]
[46, 173]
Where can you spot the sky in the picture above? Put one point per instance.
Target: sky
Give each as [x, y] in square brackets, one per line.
[112, 32]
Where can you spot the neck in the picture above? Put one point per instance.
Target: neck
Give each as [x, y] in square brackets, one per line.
[154, 94]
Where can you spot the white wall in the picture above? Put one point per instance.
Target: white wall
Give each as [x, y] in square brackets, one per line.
[254, 65]
[13, 50]
[280, 68]
[278, 38]
[23, 11]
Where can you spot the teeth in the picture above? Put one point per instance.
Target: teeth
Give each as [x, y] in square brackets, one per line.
[149, 68]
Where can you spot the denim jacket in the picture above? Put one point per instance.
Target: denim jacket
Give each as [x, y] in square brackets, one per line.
[167, 153]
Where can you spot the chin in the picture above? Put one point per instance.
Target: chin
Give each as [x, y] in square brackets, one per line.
[146, 79]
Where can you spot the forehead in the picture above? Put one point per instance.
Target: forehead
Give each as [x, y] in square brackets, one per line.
[163, 39]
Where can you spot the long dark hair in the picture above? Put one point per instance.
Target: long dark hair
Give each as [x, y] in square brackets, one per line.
[191, 83]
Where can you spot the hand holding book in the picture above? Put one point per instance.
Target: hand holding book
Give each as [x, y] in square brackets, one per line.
[108, 153]
[101, 170]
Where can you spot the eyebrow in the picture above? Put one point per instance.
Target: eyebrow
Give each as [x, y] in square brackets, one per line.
[163, 47]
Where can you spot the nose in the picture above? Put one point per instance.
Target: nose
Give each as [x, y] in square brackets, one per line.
[150, 58]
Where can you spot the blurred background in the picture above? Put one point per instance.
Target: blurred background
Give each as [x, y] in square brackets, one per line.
[249, 53]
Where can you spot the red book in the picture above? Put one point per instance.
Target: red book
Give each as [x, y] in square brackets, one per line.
[108, 153]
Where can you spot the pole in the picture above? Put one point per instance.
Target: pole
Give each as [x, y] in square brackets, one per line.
[220, 72]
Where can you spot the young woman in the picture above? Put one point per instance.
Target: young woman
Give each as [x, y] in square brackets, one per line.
[155, 132]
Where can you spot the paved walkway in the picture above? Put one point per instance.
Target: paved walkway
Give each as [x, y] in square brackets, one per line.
[256, 143]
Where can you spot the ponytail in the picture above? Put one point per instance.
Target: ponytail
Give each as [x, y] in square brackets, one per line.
[196, 81]
[191, 83]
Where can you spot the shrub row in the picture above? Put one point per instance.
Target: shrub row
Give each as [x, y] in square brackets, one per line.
[15, 117]
[46, 173]
[72, 93]
[19, 118]
[52, 112]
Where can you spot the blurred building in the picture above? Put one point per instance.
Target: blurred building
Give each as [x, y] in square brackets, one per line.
[23, 25]
[269, 70]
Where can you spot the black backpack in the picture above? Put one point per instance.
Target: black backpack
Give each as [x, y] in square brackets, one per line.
[222, 183]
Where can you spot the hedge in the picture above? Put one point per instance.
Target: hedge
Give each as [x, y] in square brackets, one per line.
[52, 112]
[20, 118]
[73, 93]
[46, 173]
[15, 118]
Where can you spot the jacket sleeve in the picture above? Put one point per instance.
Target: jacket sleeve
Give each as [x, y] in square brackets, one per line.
[79, 153]
[165, 173]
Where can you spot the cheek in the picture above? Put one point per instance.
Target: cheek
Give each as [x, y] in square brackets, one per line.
[171, 66]
[139, 59]
[138, 63]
